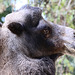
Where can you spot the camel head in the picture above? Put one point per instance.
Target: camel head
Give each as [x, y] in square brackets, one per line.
[26, 31]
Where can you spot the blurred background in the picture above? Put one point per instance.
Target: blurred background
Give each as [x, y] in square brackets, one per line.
[57, 11]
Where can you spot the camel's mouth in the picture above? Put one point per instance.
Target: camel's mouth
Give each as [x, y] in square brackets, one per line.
[70, 49]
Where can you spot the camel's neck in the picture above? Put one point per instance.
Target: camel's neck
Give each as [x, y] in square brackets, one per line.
[10, 53]
[8, 59]
[5, 53]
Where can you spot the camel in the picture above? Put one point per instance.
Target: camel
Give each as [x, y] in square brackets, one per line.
[29, 45]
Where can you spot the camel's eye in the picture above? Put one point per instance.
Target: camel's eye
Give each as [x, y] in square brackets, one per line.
[47, 32]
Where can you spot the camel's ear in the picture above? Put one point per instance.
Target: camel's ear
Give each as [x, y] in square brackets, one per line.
[15, 28]
[0, 24]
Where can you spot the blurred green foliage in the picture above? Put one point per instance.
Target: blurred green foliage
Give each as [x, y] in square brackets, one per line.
[58, 11]
[5, 8]
[5, 12]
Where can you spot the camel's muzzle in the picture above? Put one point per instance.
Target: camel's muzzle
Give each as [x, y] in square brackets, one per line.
[69, 41]
[67, 35]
